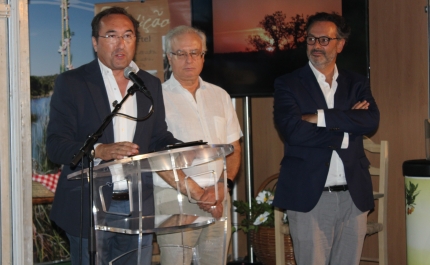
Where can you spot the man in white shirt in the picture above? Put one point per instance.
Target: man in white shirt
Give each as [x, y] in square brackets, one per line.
[324, 184]
[197, 110]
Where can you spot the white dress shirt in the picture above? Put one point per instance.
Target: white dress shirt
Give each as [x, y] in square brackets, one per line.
[209, 117]
[336, 172]
[123, 128]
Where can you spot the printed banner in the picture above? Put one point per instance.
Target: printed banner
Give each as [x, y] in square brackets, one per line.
[154, 23]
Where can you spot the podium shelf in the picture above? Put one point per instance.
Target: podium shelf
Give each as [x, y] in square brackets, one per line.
[159, 224]
[179, 158]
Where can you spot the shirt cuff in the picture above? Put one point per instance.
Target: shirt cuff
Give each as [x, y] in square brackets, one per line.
[345, 142]
[97, 161]
[321, 118]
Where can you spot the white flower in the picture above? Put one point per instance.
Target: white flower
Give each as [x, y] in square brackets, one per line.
[61, 50]
[264, 196]
[261, 218]
[66, 43]
[270, 199]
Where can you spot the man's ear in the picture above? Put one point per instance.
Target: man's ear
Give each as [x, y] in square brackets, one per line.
[94, 41]
[340, 44]
[169, 57]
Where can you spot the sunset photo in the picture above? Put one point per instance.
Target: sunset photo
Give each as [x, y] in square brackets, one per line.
[256, 42]
[233, 25]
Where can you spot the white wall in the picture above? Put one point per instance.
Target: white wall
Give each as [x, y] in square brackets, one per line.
[15, 163]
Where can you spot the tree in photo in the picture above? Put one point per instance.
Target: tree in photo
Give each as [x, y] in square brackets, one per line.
[279, 34]
[296, 29]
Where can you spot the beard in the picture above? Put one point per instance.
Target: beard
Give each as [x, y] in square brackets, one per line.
[320, 57]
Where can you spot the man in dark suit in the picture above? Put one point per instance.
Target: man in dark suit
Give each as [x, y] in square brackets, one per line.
[324, 183]
[82, 99]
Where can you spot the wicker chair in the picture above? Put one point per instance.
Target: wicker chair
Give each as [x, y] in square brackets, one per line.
[283, 244]
[380, 195]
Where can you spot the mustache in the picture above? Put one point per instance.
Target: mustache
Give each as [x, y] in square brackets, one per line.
[119, 50]
[319, 51]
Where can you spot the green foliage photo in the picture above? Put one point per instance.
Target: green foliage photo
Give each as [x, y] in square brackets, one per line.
[411, 195]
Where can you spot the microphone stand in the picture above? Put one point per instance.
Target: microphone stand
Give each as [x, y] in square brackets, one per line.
[86, 150]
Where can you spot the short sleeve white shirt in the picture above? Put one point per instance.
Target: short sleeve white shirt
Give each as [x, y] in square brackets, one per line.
[210, 117]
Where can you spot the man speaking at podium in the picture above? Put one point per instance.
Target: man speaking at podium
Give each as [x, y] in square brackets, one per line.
[82, 99]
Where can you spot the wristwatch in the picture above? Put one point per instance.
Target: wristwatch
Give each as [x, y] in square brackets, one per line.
[230, 184]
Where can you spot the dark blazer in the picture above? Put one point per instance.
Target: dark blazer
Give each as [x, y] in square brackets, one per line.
[79, 105]
[308, 148]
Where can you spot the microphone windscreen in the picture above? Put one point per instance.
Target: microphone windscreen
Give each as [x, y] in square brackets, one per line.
[127, 72]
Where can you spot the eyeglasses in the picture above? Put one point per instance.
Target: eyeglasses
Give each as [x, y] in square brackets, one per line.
[323, 41]
[113, 38]
[181, 55]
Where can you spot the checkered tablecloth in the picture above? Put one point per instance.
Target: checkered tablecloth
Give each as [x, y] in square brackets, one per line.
[49, 180]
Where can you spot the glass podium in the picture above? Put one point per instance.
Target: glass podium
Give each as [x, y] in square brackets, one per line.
[131, 199]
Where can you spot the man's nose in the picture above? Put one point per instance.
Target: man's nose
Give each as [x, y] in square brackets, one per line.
[188, 58]
[317, 44]
[120, 41]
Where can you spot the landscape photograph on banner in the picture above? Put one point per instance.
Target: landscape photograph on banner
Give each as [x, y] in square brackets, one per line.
[252, 48]
[60, 40]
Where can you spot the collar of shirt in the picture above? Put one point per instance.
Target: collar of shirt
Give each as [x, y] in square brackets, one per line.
[320, 76]
[111, 84]
[173, 84]
[327, 89]
[106, 70]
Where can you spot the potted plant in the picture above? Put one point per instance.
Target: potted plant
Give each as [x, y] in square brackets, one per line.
[260, 227]
[261, 212]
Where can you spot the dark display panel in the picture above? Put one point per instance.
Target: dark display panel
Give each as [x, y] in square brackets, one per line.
[253, 73]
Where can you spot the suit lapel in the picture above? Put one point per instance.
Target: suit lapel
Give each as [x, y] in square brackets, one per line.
[97, 91]
[143, 105]
[341, 95]
[309, 81]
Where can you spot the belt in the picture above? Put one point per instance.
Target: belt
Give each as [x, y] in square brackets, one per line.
[336, 188]
[120, 196]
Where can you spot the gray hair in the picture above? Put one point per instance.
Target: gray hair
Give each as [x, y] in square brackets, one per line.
[180, 30]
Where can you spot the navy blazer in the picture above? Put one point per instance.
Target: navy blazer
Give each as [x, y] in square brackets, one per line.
[78, 107]
[308, 148]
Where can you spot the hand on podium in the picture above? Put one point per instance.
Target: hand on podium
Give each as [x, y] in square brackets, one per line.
[118, 150]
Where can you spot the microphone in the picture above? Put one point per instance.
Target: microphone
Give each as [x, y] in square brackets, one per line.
[130, 74]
